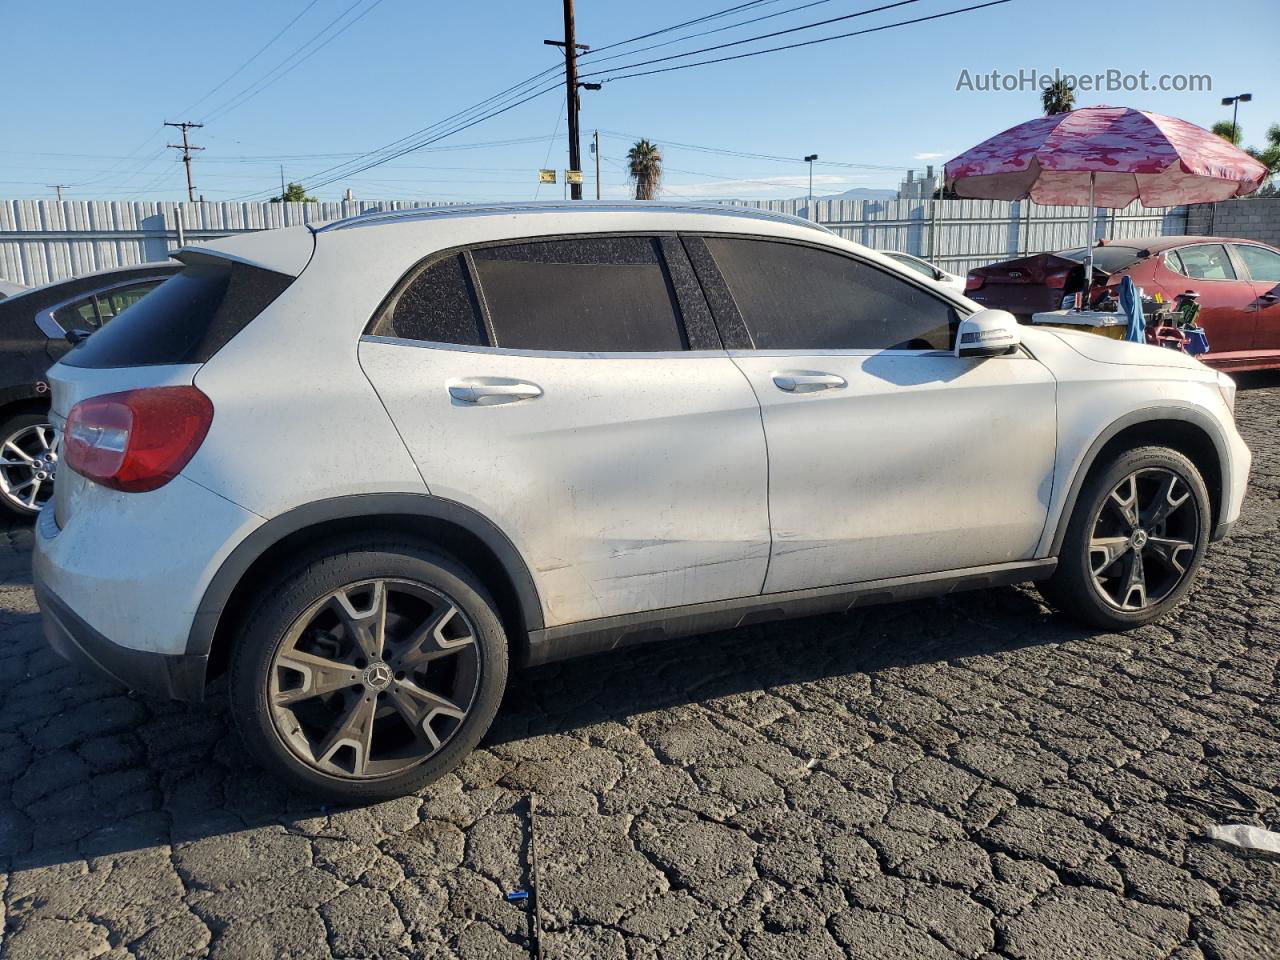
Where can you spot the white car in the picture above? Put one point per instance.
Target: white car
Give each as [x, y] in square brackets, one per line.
[365, 467]
[926, 269]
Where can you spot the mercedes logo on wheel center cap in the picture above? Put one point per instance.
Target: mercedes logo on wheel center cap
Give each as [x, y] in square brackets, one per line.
[1139, 539]
[377, 676]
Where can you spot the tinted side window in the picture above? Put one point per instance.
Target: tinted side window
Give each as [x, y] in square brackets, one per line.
[793, 297]
[594, 294]
[437, 304]
[1206, 261]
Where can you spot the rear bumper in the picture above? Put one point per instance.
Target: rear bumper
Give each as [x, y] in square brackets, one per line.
[174, 676]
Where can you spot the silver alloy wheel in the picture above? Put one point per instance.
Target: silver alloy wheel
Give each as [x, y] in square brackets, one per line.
[374, 678]
[28, 464]
[1144, 539]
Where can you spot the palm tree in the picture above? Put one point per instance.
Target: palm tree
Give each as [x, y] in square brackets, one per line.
[644, 167]
[1058, 97]
[1269, 156]
[1227, 131]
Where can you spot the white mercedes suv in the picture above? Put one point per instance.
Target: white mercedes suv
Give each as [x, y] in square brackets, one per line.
[364, 467]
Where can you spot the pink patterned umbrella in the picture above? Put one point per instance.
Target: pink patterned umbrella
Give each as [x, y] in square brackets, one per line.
[1113, 154]
[1108, 157]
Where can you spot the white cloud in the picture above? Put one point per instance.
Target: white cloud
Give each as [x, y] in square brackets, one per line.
[929, 156]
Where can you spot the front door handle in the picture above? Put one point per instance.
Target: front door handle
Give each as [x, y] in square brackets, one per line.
[487, 391]
[807, 381]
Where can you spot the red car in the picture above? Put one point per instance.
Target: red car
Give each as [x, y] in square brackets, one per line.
[1238, 282]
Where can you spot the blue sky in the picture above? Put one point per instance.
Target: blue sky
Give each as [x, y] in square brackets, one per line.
[89, 84]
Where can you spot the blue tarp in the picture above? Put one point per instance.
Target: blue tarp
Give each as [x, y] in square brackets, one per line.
[1131, 306]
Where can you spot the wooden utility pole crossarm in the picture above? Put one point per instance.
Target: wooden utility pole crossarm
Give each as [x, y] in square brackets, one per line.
[186, 149]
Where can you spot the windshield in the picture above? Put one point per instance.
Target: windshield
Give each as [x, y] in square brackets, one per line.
[1109, 259]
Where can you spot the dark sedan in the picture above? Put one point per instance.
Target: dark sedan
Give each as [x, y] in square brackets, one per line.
[34, 325]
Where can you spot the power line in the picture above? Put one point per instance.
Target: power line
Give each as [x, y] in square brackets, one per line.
[688, 23]
[276, 73]
[430, 128]
[724, 151]
[705, 33]
[763, 36]
[261, 50]
[805, 43]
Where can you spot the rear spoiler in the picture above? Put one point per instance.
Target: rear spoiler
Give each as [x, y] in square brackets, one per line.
[286, 251]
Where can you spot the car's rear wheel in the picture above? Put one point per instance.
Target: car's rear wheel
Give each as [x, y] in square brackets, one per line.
[1135, 542]
[28, 462]
[370, 671]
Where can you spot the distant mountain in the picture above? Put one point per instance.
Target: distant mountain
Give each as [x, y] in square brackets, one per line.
[858, 193]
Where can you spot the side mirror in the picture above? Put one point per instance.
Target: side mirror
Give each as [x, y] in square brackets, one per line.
[76, 336]
[987, 333]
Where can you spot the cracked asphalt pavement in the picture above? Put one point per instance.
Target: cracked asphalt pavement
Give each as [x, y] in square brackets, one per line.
[964, 777]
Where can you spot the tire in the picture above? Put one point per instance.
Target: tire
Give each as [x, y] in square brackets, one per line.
[25, 489]
[352, 725]
[1095, 580]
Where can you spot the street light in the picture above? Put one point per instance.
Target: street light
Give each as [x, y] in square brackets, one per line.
[595, 143]
[1234, 104]
[809, 160]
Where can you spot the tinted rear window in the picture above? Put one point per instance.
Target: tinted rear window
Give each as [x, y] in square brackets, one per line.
[187, 319]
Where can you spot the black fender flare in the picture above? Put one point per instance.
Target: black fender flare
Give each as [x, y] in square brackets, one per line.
[218, 593]
[1185, 412]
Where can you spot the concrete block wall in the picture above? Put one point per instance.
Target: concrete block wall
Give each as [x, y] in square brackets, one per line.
[1246, 218]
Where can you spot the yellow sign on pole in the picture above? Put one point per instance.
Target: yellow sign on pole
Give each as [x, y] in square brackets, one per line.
[546, 176]
[573, 176]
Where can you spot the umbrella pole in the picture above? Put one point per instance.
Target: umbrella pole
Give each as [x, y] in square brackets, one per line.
[1088, 249]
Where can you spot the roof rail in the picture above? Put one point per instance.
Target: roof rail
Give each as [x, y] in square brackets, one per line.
[560, 206]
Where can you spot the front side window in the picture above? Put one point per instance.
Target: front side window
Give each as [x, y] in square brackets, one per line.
[1206, 261]
[795, 297]
[585, 295]
[1263, 264]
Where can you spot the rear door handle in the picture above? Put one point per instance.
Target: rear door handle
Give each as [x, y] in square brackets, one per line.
[807, 381]
[487, 391]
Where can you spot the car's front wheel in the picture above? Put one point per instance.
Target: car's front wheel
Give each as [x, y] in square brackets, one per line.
[369, 671]
[1135, 541]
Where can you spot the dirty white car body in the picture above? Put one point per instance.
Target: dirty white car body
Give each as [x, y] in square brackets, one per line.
[626, 496]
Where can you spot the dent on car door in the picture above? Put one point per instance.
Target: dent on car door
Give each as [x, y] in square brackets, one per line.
[1263, 266]
[888, 456]
[1226, 299]
[562, 390]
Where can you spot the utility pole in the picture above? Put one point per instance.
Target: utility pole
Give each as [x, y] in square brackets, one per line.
[571, 48]
[186, 149]
[283, 189]
[595, 148]
[59, 187]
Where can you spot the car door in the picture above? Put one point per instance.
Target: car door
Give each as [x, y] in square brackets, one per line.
[1226, 299]
[1263, 266]
[888, 456]
[564, 390]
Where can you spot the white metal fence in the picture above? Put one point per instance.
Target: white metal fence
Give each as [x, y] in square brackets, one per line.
[46, 240]
[959, 235]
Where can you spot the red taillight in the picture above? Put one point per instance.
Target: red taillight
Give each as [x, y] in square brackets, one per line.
[1056, 280]
[137, 440]
[972, 283]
